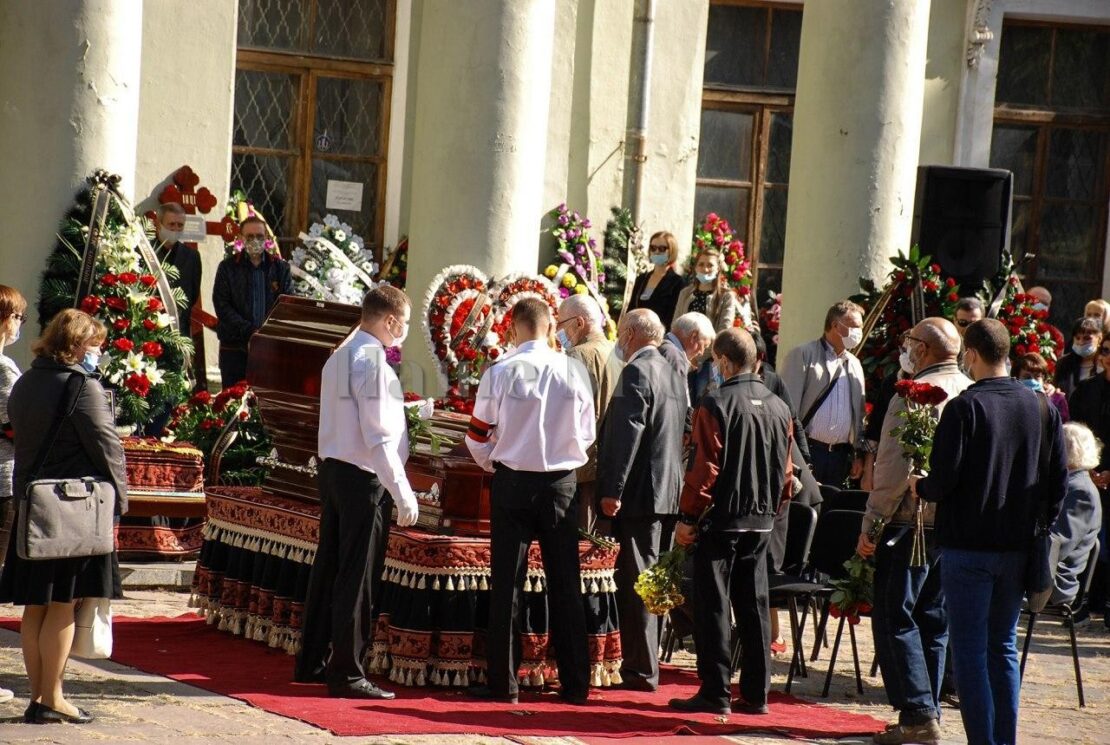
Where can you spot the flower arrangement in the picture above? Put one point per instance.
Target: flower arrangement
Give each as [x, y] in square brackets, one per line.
[455, 401]
[239, 208]
[715, 232]
[204, 417]
[660, 586]
[332, 263]
[578, 266]
[623, 257]
[915, 435]
[418, 412]
[458, 320]
[511, 290]
[883, 345]
[1029, 328]
[854, 594]
[395, 266]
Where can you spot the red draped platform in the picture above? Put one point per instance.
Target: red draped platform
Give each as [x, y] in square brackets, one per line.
[252, 576]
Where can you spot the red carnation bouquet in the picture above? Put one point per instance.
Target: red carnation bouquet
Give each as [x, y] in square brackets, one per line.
[202, 419]
[915, 435]
[1030, 331]
[715, 232]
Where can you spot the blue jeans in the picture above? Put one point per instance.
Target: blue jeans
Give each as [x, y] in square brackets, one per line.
[910, 627]
[983, 591]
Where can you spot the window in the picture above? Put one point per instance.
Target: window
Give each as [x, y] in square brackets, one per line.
[313, 81]
[1052, 129]
[751, 69]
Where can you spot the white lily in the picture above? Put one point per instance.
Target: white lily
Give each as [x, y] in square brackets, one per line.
[163, 320]
[134, 363]
[154, 375]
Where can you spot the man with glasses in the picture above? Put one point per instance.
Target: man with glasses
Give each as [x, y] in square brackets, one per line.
[968, 311]
[826, 381]
[581, 334]
[247, 286]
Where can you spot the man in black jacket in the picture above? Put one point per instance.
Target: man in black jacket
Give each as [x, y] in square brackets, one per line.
[639, 477]
[172, 252]
[739, 468]
[246, 288]
[998, 465]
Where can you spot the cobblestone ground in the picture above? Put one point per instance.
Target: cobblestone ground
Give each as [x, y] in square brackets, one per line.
[135, 707]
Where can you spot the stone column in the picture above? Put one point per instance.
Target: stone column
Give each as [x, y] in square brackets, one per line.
[857, 131]
[69, 104]
[482, 87]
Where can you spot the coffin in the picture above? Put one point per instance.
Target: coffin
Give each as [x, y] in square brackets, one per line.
[285, 359]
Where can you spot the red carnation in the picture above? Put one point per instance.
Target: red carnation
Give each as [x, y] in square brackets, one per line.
[201, 398]
[149, 280]
[152, 349]
[149, 325]
[116, 303]
[154, 305]
[91, 304]
[123, 345]
[935, 268]
[903, 388]
[953, 297]
[137, 384]
[109, 280]
[128, 278]
[949, 282]
[121, 324]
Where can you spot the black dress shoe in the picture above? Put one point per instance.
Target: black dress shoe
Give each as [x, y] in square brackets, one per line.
[487, 694]
[315, 676]
[636, 684]
[30, 711]
[743, 707]
[361, 689]
[699, 704]
[45, 715]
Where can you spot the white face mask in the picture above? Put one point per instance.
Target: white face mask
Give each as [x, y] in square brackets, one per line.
[853, 337]
[905, 361]
[400, 338]
[169, 237]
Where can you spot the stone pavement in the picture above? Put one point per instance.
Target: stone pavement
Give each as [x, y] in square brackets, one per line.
[137, 707]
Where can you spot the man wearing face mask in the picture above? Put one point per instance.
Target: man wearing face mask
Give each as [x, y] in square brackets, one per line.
[171, 251]
[826, 382]
[580, 333]
[908, 619]
[247, 286]
[686, 343]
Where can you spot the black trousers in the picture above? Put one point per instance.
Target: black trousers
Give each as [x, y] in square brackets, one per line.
[642, 541]
[346, 575]
[233, 365]
[732, 568]
[526, 506]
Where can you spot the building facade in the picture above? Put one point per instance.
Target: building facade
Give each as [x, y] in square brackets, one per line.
[463, 123]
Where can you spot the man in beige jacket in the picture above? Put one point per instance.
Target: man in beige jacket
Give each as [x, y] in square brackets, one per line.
[908, 620]
[580, 330]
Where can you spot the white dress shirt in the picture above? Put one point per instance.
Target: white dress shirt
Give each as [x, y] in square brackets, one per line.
[362, 416]
[534, 412]
[832, 423]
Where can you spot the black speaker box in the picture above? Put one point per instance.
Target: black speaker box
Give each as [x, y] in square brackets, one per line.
[961, 217]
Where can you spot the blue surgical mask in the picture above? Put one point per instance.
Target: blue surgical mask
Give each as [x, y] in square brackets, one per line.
[706, 278]
[15, 334]
[564, 340]
[1033, 384]
[1084, 350]
[715, 375]
[1040, 306]
[90, 360]
[659, 259]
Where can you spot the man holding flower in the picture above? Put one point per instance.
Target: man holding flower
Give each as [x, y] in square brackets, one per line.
[908, 619]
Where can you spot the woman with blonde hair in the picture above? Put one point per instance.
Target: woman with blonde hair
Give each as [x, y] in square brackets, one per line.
[709, 293]
[60, 384]
[1100, 311]
[658, 289]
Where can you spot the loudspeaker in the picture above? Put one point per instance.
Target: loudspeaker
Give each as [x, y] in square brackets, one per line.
[961, 217]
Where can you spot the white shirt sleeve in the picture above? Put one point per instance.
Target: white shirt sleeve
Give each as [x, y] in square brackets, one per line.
[584, 403]
[482, 435]
[382, 422]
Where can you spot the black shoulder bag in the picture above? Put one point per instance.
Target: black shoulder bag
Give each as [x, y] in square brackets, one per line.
[64, 518]
[824, 395]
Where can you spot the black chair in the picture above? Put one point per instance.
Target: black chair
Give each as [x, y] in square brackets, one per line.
[834, 543]
[829, 494]
[793, 584]
[847, 499]
[1066, 612]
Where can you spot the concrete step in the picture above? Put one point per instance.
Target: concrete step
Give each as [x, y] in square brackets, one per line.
[167, 575]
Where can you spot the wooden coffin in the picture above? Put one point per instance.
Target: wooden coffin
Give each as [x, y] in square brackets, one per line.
[453, 491]
[284, 362]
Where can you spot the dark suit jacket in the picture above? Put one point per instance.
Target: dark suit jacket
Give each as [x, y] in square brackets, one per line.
[231, 295]
[187, 262]
[640, 448]
[676, 355]
[663, 297]
[87, 444]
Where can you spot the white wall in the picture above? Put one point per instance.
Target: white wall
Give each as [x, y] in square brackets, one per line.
[186, 106]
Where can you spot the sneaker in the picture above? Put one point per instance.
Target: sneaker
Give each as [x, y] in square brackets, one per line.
[925, 734]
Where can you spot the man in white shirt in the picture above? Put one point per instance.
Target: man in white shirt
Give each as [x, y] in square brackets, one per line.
[533, 424]
[825, 381]
[363, 446]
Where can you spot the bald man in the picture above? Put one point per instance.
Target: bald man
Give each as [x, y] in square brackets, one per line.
[908, 620]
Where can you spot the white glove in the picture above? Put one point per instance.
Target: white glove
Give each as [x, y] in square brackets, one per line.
[407, 511]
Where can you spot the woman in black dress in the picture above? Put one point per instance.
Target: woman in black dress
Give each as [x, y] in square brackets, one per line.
[87, 445]
[659, 288]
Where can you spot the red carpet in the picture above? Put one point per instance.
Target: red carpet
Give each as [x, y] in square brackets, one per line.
[187, 650]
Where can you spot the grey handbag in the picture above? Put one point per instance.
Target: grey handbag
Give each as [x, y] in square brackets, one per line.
[65, 518]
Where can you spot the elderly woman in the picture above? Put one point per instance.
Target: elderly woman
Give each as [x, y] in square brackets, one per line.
[659, 288]
[1081, 362]
[1098, 310]
[1080, 518]
[86, 446]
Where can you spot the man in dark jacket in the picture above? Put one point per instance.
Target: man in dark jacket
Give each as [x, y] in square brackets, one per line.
[998, 464]
[172, 252]
[639, 477]
[735, 482]
[246, 288]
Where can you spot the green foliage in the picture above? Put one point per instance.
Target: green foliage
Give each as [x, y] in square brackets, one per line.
[620, 232]
[203, 418]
